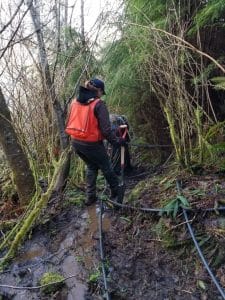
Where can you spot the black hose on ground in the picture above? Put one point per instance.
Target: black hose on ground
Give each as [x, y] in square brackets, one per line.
[161, 210]
[156, 210]
[102, 256]
[187, 221]
[149, 145]
[220, 289]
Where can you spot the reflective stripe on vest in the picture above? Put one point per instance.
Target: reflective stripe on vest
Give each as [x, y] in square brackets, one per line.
[82, 123]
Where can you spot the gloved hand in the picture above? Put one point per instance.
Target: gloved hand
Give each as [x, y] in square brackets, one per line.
[121, 141]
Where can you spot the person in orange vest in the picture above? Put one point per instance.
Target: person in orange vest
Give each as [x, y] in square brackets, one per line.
[88, 125]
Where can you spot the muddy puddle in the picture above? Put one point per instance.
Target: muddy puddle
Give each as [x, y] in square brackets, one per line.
[66, 246]
[87, 242]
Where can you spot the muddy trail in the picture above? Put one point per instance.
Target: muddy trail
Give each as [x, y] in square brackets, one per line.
[147, 256]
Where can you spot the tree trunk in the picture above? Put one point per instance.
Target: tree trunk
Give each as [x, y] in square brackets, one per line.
[82, 24]
[64, 142]
[83, 40]
[47, 77]
[66, 44]
[18, 162]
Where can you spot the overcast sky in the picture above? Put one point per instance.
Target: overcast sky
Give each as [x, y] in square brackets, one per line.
[92, 23]
[92, 11]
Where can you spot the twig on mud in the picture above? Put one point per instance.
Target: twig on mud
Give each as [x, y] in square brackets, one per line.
[190, 221]
[185, 291]
[35, 287]
[153, 240]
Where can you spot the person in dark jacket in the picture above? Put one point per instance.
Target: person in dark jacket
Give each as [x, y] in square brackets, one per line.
[88, 125]
[114, 149]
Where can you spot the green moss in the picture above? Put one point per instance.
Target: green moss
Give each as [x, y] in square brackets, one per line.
[138, 190]
[94, 277]
[77, 171]
[165, 234]
[8, 189]
[78, 201]
[48, 278]
[74, 197]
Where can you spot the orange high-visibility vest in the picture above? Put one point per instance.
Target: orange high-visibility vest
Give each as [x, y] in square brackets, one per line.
[82, 123]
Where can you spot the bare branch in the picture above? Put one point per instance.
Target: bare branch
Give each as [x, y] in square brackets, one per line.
[15, 32]
[12, 18]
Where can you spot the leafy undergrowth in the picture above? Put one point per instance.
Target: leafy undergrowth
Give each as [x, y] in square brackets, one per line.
[10, 209]
[153, 256]
[201, 191]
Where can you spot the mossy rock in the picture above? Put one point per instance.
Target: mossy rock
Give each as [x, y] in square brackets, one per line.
[48, 278]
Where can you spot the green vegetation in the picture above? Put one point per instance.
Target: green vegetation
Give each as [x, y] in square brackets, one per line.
[210, 13]
[159, 83]
[74, 197]
[55, 279]
[73, 59]
[172, 207]
[77, 171]
[94, 277]
[137, 191]
[21, 229]
[165, 234]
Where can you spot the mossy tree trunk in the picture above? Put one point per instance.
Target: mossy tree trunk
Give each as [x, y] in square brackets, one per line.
[17, 159]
